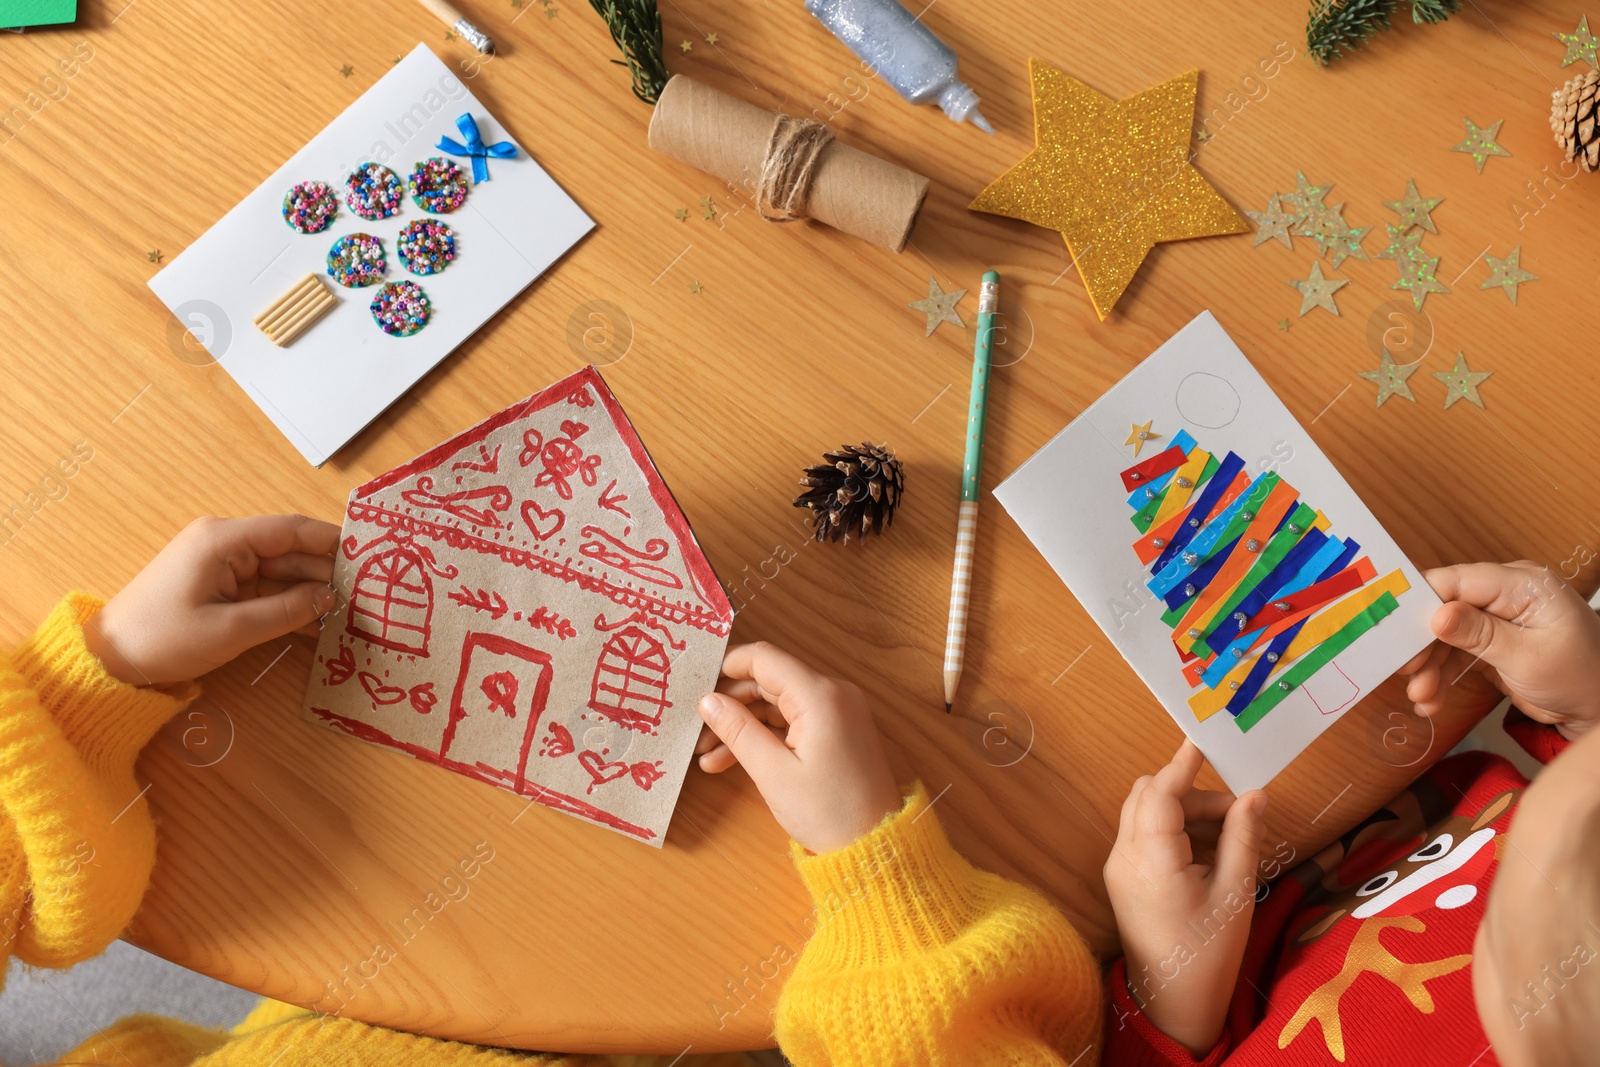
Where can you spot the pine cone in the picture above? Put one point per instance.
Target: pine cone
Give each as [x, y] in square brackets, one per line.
[855, 491]
[1573, 118]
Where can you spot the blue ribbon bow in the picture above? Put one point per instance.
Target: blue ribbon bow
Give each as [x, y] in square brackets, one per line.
[475, 148]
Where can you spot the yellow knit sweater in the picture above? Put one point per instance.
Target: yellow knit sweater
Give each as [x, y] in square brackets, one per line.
[917, 957]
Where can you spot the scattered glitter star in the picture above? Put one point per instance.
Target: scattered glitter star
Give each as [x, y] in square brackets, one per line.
[1414, 210]
[1284, 324]
[682, 214]
[154, 255]
[347, 70]
[939, 306]
[1340, 241]
[1418, 279]
[711, 39]
[1461, 383]
[397, 59]
[1203, 135]
[449, 35]
[695, 286]
[686, 46]
[516, 3]
[551, 12]
[1390, 378]
[1480, 143]
[1306, 198]
[708, 208]
[1507, 273]
[1138, 435]
[1317, 291]
[1273, 223]
[1580, 44]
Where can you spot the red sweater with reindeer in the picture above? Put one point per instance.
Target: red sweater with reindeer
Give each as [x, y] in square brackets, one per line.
[1362, 954]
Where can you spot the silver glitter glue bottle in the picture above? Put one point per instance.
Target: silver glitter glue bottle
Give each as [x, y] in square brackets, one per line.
[918, 65]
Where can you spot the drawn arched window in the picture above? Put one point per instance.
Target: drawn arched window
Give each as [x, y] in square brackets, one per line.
[391, 602]
[630, 680]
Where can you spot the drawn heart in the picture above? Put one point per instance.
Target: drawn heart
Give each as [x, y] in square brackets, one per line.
[573, 430]
[341, 668]
[646, 775]
[599, 769]
[546, 524]
[559, 743]
[380, 693]
[423, 698]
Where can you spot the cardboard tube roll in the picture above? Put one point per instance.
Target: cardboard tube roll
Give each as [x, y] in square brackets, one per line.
[852, 191]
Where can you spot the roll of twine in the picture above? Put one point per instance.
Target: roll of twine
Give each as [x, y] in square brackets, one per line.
[789, 166]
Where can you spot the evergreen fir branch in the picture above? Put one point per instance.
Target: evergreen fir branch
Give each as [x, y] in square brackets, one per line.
[1433, 10]
[635, 26]
[1339, 26]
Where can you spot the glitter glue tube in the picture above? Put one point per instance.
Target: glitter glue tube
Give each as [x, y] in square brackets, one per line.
[910, 58]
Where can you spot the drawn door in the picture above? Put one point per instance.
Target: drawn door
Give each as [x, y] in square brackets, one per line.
[494, 712]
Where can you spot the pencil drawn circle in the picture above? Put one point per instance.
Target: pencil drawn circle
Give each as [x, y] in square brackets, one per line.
[199, 332]
[599, 332]
[1207, 401]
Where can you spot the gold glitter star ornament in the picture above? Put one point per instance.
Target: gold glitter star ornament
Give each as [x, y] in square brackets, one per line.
[1112, 176]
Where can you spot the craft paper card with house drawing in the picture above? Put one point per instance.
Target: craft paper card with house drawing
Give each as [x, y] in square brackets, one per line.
[1223, 554]
[526, 605]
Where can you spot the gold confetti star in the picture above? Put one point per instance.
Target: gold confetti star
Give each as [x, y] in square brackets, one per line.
[1405, 246]
[1580, 44]
[1138, 435]
[1284, 324]
[686, 46]
[939, 306]
[1390, 377]
[682, 214]
[1413, 209]
[711, 39]
[1203, 135]
[154, 255]
[1089, 152]
[1480, 143]
[1417, 278]
[1335, 238]
[516, 3]
[397, 59]
[551, 12]
[1273, 223]
[347, 70]
[1306, 198]
[1317, 291]
[708, 208]
[695, 286]
[1507, 273]
[1461, 383]
[449, 35]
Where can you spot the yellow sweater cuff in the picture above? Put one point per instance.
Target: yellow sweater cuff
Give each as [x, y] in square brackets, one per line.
[107, 720]
[896, 891]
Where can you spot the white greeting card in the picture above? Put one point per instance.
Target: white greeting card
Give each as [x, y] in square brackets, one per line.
[1223, 554]
[328, 383]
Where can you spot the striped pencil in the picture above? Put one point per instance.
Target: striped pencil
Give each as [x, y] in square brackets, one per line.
[955, 638]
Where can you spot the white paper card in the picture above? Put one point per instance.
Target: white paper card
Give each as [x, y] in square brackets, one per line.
[340, 374]
[1070, 500]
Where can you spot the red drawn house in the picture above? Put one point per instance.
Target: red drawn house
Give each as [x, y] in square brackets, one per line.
[526, 605]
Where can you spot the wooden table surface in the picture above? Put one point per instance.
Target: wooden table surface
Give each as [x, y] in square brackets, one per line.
[294, 861]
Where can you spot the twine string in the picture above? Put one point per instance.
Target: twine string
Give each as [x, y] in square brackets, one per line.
[789, 167]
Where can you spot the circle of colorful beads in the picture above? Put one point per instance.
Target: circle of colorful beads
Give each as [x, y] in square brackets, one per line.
[373, 191]
[401, 308]
[310, 207]
[427, 246]
[437, 185]
[357, 259]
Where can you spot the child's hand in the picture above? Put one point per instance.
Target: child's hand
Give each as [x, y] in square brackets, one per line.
[1526, 630]
[221, 586]
[824, 777]
[1184, 923]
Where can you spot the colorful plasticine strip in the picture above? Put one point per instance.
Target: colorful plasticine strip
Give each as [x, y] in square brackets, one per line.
[1180, 440]
[1223, 529]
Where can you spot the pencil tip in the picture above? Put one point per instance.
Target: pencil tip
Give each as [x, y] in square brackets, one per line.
[947, 707]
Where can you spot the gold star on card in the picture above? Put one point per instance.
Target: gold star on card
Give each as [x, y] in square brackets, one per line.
[1317, 291]
[1507, 273]
[1580, 44]
[1413, 209]
[1273, 223]
[1461, 383]
[1390, 378]
[1480, 143]
[939, 306]
[1089, 177]
[1138, 435]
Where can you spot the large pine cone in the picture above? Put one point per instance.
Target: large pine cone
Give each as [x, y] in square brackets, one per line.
[855, 491]
[1573, 118]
